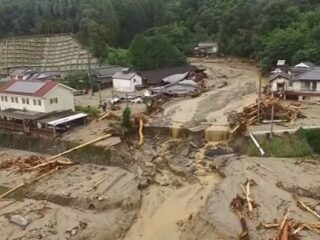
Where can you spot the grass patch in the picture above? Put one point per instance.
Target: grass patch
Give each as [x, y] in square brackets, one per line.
[312, 136]
[288, 146]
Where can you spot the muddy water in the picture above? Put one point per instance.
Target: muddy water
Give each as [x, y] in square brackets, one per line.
[163, 208]
[217, 133]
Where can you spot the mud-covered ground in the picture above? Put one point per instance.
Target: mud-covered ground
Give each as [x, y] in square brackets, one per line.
[231, 85]
[175, 189]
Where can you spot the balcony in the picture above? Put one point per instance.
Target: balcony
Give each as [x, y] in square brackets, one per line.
[306, 89]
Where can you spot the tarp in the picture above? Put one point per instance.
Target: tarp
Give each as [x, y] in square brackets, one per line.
[67, 119]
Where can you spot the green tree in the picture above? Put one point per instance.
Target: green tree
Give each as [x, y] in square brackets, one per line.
[126, 119]
[154, 52]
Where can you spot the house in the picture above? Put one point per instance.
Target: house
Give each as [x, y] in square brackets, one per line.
[104, 74]
[36, 96]
[126, 81]
[206, 49]
[279, 81]
[282, 66]
[305, 86]
[20, 74]
[305, 65]
[301, 68]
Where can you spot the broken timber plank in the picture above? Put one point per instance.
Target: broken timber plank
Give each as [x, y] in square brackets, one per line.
[52, 159]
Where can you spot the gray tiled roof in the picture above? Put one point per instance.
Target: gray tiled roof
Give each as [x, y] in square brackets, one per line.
[281, 74]
[312, 75]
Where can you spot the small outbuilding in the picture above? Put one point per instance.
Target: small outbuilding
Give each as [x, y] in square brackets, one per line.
[126, 81]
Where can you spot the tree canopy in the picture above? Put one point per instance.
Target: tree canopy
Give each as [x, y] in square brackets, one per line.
[265, 30]
[154, 52]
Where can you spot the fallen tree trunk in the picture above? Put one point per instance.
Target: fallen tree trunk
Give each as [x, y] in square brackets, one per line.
[52, 159]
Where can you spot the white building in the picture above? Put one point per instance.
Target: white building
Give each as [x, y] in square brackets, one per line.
[126, 81]
[36, 96]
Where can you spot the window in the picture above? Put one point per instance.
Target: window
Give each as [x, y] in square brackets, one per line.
[39, 102]
[2, 98]
[16, 99]
[290, 83]
[6, 98]
[23, 101]
[53, 100]
[12, 99]
[27, 101]
[34, 102]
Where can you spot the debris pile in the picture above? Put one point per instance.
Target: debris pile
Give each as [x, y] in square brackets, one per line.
[287, 228]
[34, 163]
[290, 229]
[249, 115]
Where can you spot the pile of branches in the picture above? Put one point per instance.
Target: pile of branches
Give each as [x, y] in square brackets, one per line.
[34, 163]
[243, 206]
[290, 229]
[249, 115]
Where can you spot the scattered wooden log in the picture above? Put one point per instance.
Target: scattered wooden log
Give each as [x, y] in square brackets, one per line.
[306, 208]
[53, 159]
[246, 191]
[237, 206]
[141, 124]
[104, 116]
[29, 183]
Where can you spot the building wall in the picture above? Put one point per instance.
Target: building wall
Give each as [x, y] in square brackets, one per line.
[295, 86]
[16, 101]
[60, 98]
[275, 82]
[122, 85]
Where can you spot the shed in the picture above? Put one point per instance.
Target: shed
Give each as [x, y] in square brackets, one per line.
[126, 81]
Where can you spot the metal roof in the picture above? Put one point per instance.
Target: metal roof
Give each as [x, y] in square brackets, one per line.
[107, 71]
[30, 88]
[25, 87]
[124, 75]
[67, 119]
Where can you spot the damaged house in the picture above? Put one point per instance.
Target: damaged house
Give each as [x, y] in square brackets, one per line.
[301, 82]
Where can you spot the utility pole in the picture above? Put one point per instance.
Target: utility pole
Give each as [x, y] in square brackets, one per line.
[99, 88]
[259, 96]
[89, 74]
[272, 116]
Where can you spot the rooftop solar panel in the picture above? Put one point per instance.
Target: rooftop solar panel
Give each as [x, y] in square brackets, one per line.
[25, 87]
